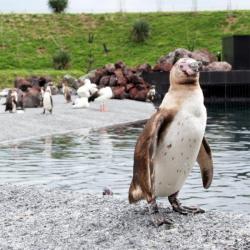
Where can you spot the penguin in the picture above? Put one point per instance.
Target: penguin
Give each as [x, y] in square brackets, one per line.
[11, 101]
[8, 102]
[67, 93]
[170, 144]
[47, 100]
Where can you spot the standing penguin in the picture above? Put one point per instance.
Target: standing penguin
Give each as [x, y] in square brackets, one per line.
[11, 101]
[47, 100]
[172, 140]
[8, 102]
[66, 93]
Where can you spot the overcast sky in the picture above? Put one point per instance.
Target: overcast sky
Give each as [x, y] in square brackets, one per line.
[97, 6]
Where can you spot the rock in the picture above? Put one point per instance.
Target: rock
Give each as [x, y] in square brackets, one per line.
[120, 65]
[121, 80]
[218, 66]
[163, 67]
[138, 94]
[91, 76]
[110, 68]
[173, 56]
[144, 67]
[204, 56]
[104, 81]
[112, 81]
[22, 83]
[32, 98]
[119, 92]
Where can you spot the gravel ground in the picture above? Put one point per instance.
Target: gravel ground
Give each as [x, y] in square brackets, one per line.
[65, 119]
[36, 218]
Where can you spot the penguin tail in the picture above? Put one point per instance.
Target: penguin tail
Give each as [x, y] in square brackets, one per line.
[135, 193]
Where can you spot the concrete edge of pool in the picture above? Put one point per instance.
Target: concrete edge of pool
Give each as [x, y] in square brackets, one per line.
[33, 217]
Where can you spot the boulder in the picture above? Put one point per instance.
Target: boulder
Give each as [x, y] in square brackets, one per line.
[32, 98]
[121, 79]
[204, 56]
[104, 81]
[218, 66]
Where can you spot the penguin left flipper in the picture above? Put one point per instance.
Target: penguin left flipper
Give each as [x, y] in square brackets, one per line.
[141, 185]
[206, 163]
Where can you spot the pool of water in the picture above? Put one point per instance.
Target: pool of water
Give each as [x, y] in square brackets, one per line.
[105, 158]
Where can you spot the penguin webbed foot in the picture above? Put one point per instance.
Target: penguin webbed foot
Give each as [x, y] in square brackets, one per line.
[157, 218]
[185, 210]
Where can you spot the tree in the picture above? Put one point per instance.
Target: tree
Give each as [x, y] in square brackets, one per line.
[58, 6]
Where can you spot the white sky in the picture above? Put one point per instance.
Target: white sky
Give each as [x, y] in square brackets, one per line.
[98, 6]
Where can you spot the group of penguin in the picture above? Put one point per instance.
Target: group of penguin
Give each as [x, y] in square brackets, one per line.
[86, 93]
[14, 100]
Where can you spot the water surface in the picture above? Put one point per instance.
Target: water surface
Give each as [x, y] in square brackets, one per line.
[105, 157]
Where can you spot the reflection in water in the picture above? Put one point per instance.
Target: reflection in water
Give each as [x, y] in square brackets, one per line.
[105, 157]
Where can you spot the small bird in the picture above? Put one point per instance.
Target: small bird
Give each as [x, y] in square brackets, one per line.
[47, 101]
[107, 191]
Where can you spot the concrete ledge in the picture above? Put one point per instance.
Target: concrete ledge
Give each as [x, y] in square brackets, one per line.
[35, 218]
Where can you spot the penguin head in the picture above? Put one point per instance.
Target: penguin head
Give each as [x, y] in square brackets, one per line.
[185, 71]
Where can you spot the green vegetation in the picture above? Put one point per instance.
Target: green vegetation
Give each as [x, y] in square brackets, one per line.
[140, 31]
[29, 41]
[61, 59]
[58, 6]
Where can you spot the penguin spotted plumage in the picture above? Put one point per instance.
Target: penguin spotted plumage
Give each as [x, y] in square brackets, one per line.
[172, 140]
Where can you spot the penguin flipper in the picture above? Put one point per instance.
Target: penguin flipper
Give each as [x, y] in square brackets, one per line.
[141, 185]
[206, 163]
[51, 100]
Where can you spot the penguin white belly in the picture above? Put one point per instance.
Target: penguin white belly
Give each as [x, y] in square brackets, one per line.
[47, 101]
[178, 150]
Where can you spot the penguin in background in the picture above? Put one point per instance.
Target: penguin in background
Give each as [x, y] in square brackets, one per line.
[11, 101]
[47, 101]
[66, 93]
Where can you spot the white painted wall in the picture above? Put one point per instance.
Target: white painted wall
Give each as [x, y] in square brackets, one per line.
[102, 6]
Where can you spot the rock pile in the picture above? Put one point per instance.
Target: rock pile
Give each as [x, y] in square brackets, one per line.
[125, 82]
[208, 60]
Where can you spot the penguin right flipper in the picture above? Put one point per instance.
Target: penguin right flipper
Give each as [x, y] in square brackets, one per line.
[51, 100]
[206, 163]
[141, 185]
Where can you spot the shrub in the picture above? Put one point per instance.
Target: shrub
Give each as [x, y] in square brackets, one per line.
[58, 6]
[61, 59]
[140, 31]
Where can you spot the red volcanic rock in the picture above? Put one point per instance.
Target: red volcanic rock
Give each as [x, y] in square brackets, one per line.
[128, 73]
[120, 65]
[110, 68]
[112, 81]
[121, 80]
[104, 81]
[119, 92]
[21, 83]
[32, 98]
[144, 67]
[218, 66]
[138, 95]
[129, 86]
[163, 67]
[204, 56]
